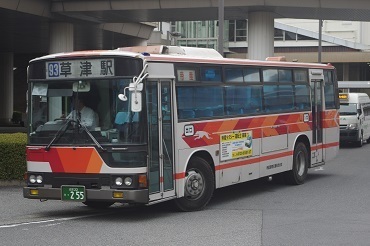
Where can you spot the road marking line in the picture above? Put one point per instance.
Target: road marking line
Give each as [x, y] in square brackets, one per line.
[48, 221]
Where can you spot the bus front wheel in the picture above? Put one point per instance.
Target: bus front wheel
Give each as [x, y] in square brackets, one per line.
[298, 174]
[199, 186]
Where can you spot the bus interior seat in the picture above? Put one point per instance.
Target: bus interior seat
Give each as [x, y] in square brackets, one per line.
[203, 113]
[219, 111]
[235, 110]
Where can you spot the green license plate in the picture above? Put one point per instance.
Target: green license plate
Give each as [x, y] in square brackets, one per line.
[73, 193]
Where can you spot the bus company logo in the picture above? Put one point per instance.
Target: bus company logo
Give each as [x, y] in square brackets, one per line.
[189, 131]
[201, 134]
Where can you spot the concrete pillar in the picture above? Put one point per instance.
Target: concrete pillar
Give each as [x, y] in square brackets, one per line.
[260, 35]
[6, 88]
[140, 42]
[61, 40]
[134, 42]
[345, 71]
[61, 37]
[88, 37]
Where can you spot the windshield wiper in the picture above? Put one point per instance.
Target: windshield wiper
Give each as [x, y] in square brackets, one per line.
[91, 136]
[59, 133]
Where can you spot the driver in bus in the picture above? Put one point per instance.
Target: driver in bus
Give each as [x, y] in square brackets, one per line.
[88, 117]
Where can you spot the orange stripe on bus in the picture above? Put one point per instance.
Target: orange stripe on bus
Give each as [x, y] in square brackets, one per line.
[330, 145]
[253, 160]
[179, 175]
[260, 159]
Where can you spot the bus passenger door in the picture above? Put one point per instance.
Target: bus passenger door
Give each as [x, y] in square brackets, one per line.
[159, 105]
[317, 83]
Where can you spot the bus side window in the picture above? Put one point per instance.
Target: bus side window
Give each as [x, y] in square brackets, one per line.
[234, 99]
[302, 97]
[254, 100]
[203, 113]
[286, 97]
[271, 98]
[186, 114]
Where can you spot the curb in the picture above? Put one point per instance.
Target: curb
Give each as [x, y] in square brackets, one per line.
[8, 183]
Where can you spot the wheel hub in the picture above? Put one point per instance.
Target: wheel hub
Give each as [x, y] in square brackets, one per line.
[194, 184]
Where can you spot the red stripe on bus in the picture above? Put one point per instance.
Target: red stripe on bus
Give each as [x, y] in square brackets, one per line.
[330, 145]
[254, 160]
[260, 159]
[320, 146]
[179, 175]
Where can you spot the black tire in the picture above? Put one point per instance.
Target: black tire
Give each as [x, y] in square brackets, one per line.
[361, 141]
[298, 174]
[98, 205]
[199, 186]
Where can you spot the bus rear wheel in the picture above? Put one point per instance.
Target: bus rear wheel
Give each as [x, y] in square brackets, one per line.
[298, 174]
[199, 186]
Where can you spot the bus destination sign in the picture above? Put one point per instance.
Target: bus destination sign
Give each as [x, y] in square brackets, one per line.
[78, 69]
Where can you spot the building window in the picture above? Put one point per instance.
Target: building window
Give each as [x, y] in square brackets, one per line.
[279, 34]
[238, 30]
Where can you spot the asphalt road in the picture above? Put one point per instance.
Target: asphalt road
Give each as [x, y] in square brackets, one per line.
[331, 208]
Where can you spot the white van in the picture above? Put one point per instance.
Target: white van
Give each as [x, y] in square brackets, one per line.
[354, 118]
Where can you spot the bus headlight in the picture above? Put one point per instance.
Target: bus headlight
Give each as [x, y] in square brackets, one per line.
[32, 179]
[353, 126]
[39, 179]
[128, 181]
[119, 181]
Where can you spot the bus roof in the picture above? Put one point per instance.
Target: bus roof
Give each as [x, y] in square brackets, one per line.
[161, 53]
[205, 55]
[88, 53]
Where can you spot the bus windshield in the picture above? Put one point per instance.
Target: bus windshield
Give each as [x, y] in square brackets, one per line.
[348, 109]
[74, 109]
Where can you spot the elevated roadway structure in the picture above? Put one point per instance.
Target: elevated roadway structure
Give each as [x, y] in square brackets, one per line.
[34, 27]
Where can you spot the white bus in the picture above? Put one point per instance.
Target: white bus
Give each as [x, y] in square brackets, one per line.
[354, 118]
[174, 123]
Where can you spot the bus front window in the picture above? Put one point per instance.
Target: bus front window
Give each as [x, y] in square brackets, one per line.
[74, 108]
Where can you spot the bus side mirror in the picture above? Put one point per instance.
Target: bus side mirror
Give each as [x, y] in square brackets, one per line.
[136, 101]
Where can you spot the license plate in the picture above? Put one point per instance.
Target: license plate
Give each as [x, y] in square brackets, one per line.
[73, 193]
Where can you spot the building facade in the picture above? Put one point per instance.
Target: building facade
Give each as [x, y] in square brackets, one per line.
[345, 44]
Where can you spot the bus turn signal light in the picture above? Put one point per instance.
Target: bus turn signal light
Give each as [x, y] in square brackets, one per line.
[143, 182]
[117, 194]
[34, 192]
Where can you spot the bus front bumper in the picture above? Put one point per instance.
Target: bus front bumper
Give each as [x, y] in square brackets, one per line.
[104, 195]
